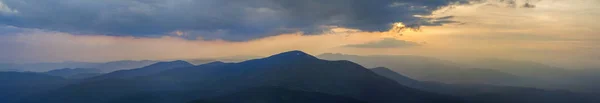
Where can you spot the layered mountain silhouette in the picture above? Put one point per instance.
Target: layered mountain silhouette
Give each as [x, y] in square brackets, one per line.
[76, 73]
[548, 77]
[144, 71]
[481, 93]
[294, 70]
[587, 78]
[104, 67]
[238, 58]
[482, 71]
[122, 65]
[524, 68]
[395, 76]
[289, 77]
[432, 69]
[43, 67]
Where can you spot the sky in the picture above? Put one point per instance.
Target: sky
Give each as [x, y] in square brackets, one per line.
[561, 33]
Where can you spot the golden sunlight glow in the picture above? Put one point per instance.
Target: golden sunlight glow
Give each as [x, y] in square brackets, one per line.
[178, 33]
[398, 28]
[536, 34]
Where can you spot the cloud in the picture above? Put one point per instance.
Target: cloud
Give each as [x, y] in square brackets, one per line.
[511, 3]
[35, 45]
[386, 43]
[6, 10]
[236, 20]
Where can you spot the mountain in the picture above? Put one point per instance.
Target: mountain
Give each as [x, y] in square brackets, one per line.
[481, 93]
[16, 85]
[144, 71]
[483, 71]
[122, 65]
[10, 70]
[548, 77]
[294, 70]
[301, 71]
[278, 95]
[238, 58]
[431, 69]
[390, 61]
[584, 80]
[42, 67]
[105, 67]
[77, 73]
[523, 68]
[395, 76]
[7, 67]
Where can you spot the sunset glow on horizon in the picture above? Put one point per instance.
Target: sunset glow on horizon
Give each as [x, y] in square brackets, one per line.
[550, 30]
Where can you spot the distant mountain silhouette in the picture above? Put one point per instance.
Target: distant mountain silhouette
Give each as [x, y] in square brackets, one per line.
[294, 70]
[522, 68]
[104, 67]
[17, 85]
[407, 61]
[278, 95]
[77, 73]
[287, 77]
[548, 77]
[144, 71]
[431, 69]
[43, 67]
[238, 58]
[395, 76]
[481, 93]
[5, 67]
[482, 71]
[584, 80]
[122, 65]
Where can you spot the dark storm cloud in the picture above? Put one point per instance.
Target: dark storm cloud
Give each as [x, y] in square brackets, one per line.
[386, 43]
[236, 20]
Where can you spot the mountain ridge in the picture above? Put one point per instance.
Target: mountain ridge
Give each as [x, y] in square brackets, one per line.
[293, 70]
[143, 71]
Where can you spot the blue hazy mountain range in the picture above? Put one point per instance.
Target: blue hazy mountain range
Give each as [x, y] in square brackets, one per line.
[483, 71]
[111, 66]
[287, 77]
[482, 93]
[293, 70]
[432, 69]
[75, 73]
[104, 67]
[144, 71]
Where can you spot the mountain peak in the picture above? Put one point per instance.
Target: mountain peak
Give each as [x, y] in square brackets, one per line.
[179, 61]
[214, 63]
[295, 54]
[176, 62]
